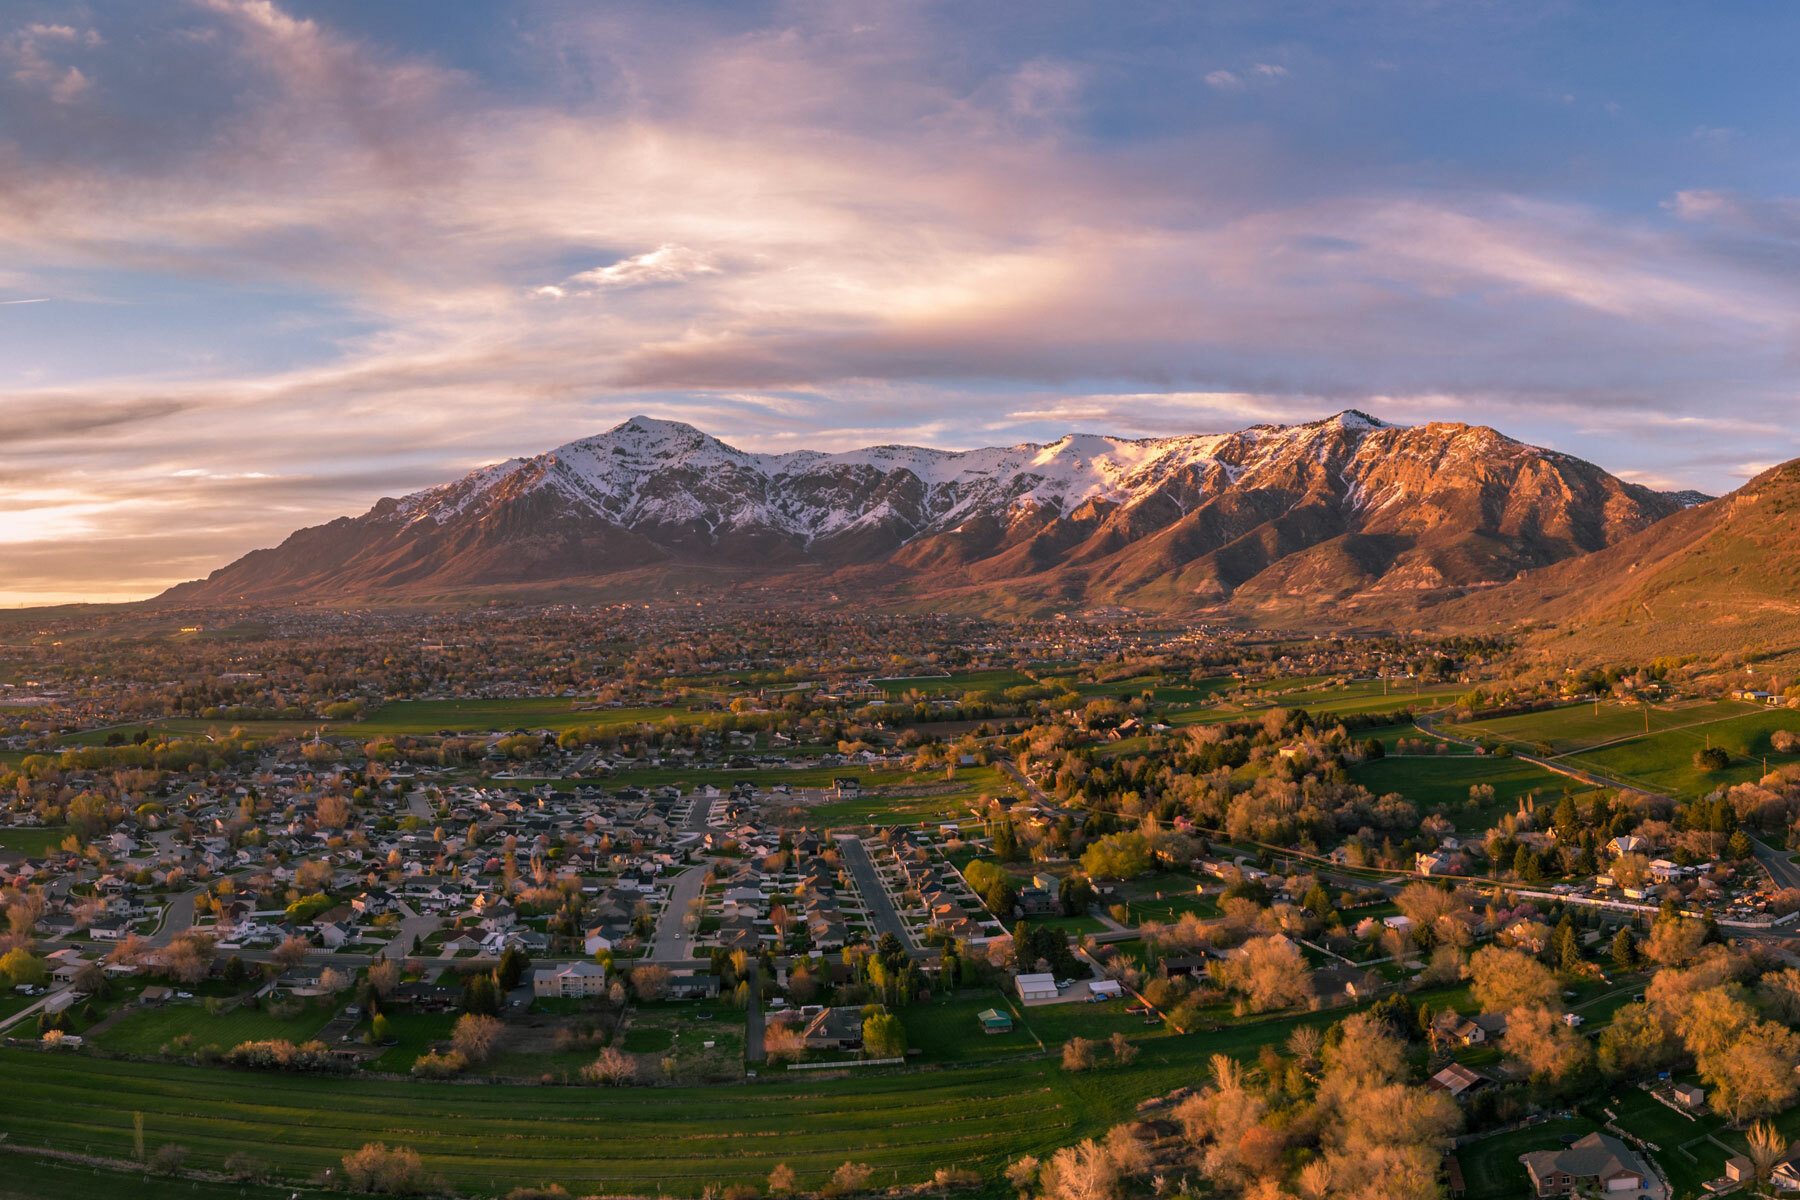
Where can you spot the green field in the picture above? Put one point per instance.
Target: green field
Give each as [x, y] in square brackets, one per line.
[147, 1030]
[673, 1140]
[1664, 762]
[1577, 727]
[35, 842]
[490, 716]
[1429, 782]
[958, 684]
[493, 1137]
[29, 1177]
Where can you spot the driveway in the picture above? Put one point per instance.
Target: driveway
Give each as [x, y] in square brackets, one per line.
[882, 913]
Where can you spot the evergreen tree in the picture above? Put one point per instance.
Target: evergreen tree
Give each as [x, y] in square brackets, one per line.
[1625, 953]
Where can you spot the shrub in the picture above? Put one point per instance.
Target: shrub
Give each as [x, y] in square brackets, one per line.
[613, 1068]
[168, 1159]
[376, 1168]
[1078, 1054]
[439, 1066]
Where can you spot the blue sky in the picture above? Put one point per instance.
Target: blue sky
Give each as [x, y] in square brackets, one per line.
[265, 262]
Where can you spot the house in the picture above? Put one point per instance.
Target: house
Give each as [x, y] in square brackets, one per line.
[1596, 1160]
[1689, 1096]
[994, 1021]
[837, 1028]
[574, 980]
[1036, 987]
[154, 995]
[1627, 843]
[1739, 1169]
[1664, 871]
[109, 929]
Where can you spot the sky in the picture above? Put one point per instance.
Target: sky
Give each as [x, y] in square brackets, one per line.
[263, 262]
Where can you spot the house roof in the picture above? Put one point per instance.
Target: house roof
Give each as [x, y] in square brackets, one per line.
[1595, 1156]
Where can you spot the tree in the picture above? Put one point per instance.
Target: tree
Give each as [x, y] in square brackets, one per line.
[1739, 845]
[782, 1181]
[784, 1042]
[883, 1036]
[168, 1159]
[650, 983]
[1081, 1172]
[474, 1036]
[613, 1068]
[1625, 953]
[1767, 1147]
[1713, 758]
[1548, 1048]
[1635, 1044]
[1270, 972]
[21, 967]
[384, 977]
[376, 1168]
[1674, 941]
[1502, 980]
[1123, 1051]
[1023, 1174]
[1078, 1054]
[291, 953]
[849, 1179]
[1754, 1076]
[512, 968]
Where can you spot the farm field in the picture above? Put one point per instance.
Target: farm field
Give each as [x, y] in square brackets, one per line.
[1390, 735]
[29, 1177]
[957, 684]
[1664, 762]
[675, 1140]
[1578, 727]
[485, 716]
[491, 1137]
[1429, 782]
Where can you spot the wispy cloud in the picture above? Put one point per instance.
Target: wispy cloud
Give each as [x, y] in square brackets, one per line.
[807, 231]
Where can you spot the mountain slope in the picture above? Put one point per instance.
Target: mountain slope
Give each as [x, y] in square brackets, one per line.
[1721, 576]
[1270, 520]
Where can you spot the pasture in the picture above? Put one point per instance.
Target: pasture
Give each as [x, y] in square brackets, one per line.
[1577, 727]
[1664, 762]
[500, 715]
[1430, 782]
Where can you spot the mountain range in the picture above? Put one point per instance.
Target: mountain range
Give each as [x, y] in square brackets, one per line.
[1348, 518]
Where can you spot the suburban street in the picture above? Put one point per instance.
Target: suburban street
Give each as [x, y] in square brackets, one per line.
[670, 945]
[882, 913]
[671, 942]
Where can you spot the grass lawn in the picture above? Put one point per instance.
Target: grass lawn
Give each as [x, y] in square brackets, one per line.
[415, 1033]
[35, 841]
[921, 796]
[1683, 1148]
[1429, 782]
[1491, 1168]
[948, 1029]
[147, 1030]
